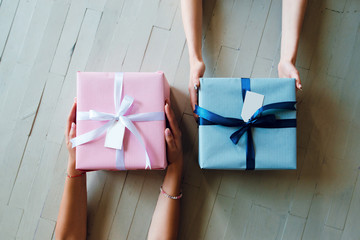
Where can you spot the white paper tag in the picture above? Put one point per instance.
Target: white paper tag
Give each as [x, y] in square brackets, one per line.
[115, 135]
[253, 101]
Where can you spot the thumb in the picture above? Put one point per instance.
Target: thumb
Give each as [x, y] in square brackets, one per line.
[170, 142]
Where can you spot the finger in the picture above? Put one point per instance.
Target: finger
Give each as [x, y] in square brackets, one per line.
[298, 82]
[71, 118]
[72, 133]
[172, 121]
[193, 97]
[196, 82]
[170, 142]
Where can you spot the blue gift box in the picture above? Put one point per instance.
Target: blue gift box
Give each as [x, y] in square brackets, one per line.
[267, 141]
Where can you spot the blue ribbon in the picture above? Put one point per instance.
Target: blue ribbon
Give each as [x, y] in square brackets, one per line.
[257, 120]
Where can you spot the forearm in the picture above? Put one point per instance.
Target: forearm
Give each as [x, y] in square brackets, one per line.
[165, 221]
[71, 222]
[292, 17]
[192, 19]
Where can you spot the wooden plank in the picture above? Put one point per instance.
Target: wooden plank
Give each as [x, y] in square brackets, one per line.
[174, 49]
[251, 40]
[7, 14]
[165, 13]
[337, 6]
[264, 224]
[215, 35]
[99, 225]
[155, 50]
[314, 228]
[329, 25]
[36, 142]
[97, 5]
[143, 25]
[145, 206]
[9, 221]
[23, 110]
[205, 202]
[229, 184]
[69, 37]
[219, 218]
[235, 27]
[225, 62]
[342, 52]
[9, 108]
[38, 77]
[309, 34]
[294, 228]
[192, 173]
[262, 68]
[272, 32]
[54, 195]
[45, 229]
[305, 188]
[39, 189]
[331, 233]
[32, 43]
[122, 36]
[348, 96]
[104, 35]
[179, 89]
[352, 230]
[15, 40]
[127, 204]
[337, 182]
[78, 63]
[239, 219]
[187, 208]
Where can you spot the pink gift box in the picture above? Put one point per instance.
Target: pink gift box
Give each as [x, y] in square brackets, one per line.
[95, 91]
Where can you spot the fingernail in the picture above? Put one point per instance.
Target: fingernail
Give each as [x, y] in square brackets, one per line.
[72, 125]
[167, 132]
[75, 99]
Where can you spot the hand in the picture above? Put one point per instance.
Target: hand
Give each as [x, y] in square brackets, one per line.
[70, 132]
[173, 142]
[197, 70]
[287, 69]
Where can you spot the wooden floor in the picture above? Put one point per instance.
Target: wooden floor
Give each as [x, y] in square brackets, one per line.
[44, 42]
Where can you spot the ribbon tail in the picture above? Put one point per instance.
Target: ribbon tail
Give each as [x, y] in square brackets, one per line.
[235, 137]
[89, 136]
[250, 151]
[129, 125]
[120, 163]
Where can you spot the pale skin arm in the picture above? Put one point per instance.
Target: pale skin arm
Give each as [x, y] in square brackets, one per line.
[71, 222]
[192, 20]
[292, 18]
[165, 220]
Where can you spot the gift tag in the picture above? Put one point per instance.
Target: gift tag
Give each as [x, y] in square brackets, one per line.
[115, 135]
[253, 101]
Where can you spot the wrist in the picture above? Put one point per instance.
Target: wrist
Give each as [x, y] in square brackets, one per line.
[172, 180]
[195, 58]
[288, 58]
[71, 170]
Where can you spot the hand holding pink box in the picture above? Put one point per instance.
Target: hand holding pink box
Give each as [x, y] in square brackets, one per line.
[125, 110]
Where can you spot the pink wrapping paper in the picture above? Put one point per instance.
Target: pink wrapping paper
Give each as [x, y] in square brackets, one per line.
[95, 91]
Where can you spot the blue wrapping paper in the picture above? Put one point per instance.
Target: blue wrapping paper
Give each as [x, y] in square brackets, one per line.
[275, 148]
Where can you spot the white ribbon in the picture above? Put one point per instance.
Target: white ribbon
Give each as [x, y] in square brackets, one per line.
[121, 107]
